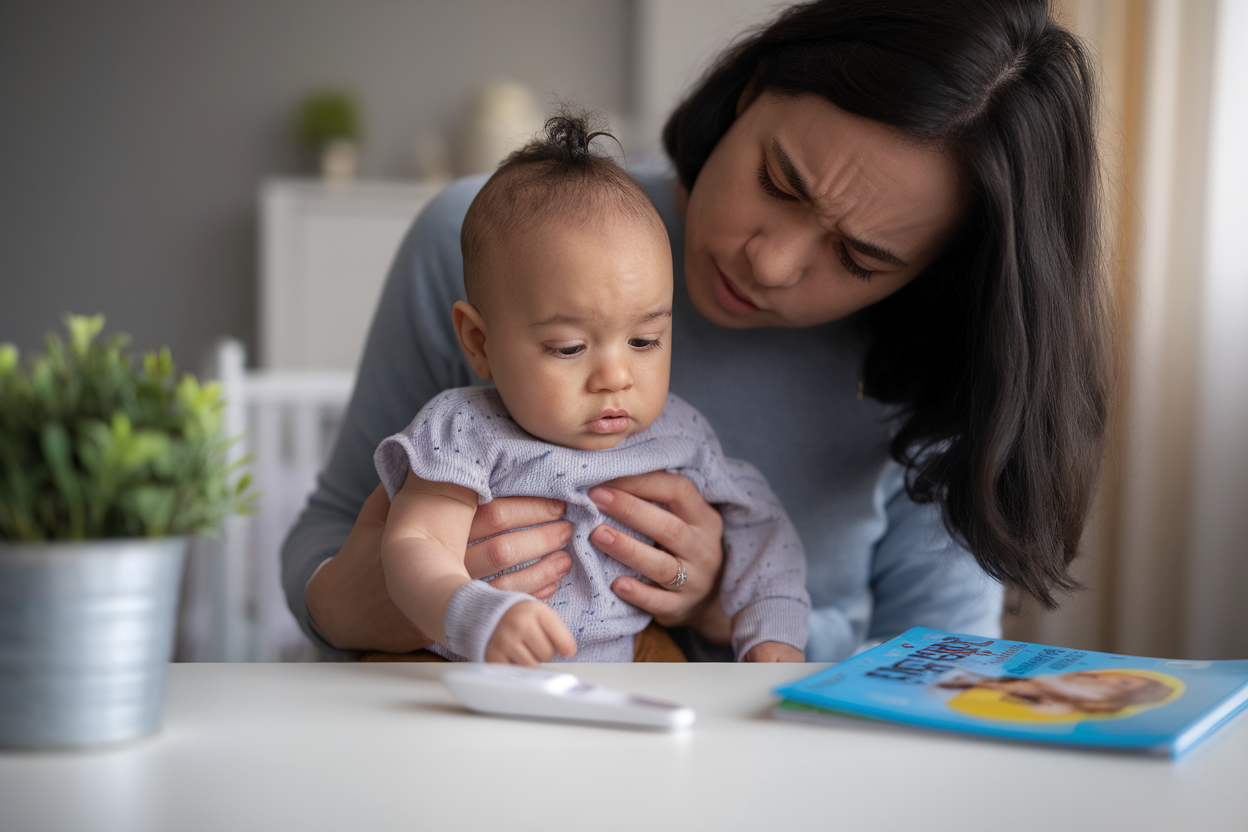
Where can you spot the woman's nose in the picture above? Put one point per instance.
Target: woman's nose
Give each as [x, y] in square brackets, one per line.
[780, 256]
[612, 372]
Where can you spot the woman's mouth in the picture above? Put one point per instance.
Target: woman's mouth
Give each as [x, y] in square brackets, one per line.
[729, 298]
[609, 421]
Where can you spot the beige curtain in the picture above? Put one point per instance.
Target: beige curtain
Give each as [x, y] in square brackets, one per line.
[1142, 562]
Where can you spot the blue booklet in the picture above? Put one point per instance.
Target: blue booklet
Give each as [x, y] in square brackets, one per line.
[1021, 691]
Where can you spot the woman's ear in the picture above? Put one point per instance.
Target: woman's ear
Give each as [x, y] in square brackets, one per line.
[470, 329]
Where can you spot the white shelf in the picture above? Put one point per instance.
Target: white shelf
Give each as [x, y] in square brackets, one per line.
[325, 250]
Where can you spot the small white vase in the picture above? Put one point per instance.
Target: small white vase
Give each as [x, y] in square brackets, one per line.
[499, 117]
[340, 159]
[86, 634]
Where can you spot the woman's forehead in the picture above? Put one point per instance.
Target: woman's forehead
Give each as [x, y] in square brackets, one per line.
[867, 178]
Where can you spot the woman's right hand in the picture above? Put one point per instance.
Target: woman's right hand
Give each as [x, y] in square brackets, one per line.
[347, 597]
[688, 534]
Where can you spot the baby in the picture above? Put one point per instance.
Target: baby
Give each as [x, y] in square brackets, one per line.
[568, 273]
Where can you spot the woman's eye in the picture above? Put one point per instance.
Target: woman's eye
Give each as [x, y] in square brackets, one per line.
[764, 179]
[643, 343]
[851, 266]
[567, 352]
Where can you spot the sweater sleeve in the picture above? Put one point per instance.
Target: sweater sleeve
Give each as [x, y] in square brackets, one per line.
[473, 615]
[411, 355]
[453, 439]
[920, 576]
[764, 582]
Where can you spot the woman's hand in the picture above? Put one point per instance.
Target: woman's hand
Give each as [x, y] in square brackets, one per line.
[348, 600]
[689, 537]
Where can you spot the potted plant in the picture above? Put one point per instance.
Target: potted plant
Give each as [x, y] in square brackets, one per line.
[329, 125]
[105, 467]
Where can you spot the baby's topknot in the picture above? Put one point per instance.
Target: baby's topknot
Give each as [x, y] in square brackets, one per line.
[557, 177]
[565, 142]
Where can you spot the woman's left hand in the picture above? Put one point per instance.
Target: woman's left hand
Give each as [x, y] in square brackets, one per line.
[689, 537]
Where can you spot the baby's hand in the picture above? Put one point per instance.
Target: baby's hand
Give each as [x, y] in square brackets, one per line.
[530, 633]
[774, 651]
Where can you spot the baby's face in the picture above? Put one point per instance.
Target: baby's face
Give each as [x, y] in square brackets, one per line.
[1090, 684]
[578, 328]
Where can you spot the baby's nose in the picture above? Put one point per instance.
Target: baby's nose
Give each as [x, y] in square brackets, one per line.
[611, 373]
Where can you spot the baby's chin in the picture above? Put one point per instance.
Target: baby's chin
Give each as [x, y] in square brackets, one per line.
[600, 443]
[595, 441]
[588, 440]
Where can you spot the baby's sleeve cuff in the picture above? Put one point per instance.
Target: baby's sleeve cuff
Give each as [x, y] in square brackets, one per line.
[473, 614]
[770, 619]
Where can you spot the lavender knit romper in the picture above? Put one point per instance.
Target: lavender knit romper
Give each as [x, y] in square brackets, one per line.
[465, 436]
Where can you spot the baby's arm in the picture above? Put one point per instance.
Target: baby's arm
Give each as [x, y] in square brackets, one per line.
[422, 553]
[422, 549]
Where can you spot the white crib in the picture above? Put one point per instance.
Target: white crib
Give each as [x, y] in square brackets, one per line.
[285, 420]
[324, 252]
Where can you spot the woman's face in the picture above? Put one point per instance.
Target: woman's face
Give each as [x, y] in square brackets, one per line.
[805, 213]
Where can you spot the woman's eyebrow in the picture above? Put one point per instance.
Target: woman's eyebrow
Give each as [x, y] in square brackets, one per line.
[874, 251]
[794, 178]
[789, 170]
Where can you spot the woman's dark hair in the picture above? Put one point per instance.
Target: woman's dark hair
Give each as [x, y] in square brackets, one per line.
[997, 354]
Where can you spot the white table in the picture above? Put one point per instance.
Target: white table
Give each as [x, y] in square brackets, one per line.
[383, 746]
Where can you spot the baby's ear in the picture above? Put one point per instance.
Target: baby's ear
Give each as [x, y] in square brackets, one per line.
[470, 329]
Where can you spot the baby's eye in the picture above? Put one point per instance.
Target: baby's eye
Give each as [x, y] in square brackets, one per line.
[567, 352]
[643, 343]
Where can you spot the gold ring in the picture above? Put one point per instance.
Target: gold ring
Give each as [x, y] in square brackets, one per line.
[679, 580]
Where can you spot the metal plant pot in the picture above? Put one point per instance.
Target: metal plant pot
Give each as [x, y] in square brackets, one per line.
[86, 634]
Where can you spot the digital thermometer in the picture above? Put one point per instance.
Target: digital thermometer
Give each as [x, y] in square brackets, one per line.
[520, 691]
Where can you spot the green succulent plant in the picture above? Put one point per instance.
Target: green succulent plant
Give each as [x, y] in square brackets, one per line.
[91, 446]
[326, 116]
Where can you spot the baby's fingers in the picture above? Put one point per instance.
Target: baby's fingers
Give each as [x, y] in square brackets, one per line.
[507, 647]
[557, 635]
[528, 634]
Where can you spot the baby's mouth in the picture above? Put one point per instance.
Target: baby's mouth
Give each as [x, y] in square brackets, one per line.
[612, 420]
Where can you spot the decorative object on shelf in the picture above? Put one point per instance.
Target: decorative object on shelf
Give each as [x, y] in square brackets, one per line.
[104, 469]
[432, 159]
[330, 125]
[497, 119]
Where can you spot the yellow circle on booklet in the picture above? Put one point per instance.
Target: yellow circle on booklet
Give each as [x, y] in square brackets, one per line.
[995, 704]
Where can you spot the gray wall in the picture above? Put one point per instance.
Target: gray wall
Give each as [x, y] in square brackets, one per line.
[133, 134]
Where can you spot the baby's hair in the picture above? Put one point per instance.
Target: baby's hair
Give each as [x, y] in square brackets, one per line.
[557, 176]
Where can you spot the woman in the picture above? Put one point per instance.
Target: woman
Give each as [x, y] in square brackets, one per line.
[890, 304]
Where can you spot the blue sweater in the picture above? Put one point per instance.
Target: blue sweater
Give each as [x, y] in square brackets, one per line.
[784, 400]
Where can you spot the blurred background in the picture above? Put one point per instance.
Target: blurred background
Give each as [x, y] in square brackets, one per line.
[231, 179]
